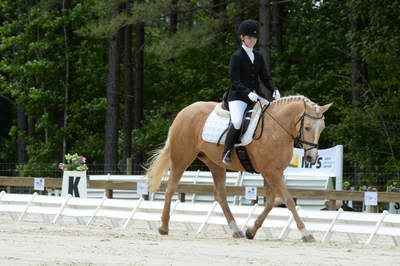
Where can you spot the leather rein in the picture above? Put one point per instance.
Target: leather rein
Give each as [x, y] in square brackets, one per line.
[298, 140]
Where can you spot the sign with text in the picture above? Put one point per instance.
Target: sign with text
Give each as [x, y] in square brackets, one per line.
[75, 184]
[329, 162]
[251, 193]
[38, 184]
[370, 198]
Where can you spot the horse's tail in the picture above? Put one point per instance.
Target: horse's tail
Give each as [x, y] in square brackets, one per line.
[159, 163]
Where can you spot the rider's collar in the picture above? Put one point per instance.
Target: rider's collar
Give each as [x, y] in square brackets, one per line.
[247, 49]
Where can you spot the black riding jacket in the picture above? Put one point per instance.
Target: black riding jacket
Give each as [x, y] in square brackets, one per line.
[244, 76]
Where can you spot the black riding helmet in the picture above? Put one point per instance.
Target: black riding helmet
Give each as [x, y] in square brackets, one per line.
[248, 27]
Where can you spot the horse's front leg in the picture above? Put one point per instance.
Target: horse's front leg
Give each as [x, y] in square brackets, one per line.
[306, 236]
[251, 231]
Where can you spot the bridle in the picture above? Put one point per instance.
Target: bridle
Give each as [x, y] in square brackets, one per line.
[298, 140]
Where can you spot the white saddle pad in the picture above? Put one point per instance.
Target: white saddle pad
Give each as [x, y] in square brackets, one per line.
[218, 121]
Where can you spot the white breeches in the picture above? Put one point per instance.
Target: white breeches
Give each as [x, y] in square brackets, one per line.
[237, 109]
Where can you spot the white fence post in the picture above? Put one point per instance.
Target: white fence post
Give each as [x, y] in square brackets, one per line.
[21, 217]
[328, 233]
[96, 211]
[195, 182]
[61, 208]
[207, 217]
[249, 216]
[133, 213]
[285, 231]
[378, 224]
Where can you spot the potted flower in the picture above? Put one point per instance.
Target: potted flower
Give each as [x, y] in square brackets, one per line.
[73, 162]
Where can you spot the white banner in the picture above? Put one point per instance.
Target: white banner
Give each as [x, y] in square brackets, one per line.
[329, 163]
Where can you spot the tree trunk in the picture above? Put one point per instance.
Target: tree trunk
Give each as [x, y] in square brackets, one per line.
[174, 17]
[265, 31]
[189, 15]
[359, 77]
[218, 6]
[138, 94]
[277, 26]
[238, 19]
[67, 93]
[218, 9]
[128, 88]
[265, 40]
[22, 123]
[111, 130]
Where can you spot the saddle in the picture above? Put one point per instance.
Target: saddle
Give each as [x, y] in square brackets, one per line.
[217, 123]
[245, 122]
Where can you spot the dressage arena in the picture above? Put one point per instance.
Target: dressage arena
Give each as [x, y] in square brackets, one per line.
[38, 243]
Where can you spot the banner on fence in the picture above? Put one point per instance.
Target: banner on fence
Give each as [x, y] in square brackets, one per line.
[329, 163]
[75, 184]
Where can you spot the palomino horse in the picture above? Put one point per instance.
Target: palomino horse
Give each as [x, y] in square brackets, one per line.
[285, 119]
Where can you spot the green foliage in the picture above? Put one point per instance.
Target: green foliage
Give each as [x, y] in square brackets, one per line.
[36, 169]
[73, 162]
[192, 65]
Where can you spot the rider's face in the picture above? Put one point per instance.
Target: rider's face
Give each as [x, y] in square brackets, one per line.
[248, 40]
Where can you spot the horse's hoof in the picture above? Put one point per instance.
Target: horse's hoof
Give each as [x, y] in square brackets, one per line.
[238, 234]
[308, 239]
[249, 235]
[162, 232]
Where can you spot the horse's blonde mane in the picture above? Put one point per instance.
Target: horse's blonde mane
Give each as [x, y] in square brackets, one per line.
[289, 99]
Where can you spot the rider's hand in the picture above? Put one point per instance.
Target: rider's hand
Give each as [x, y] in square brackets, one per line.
[276, 94]
[253, 97]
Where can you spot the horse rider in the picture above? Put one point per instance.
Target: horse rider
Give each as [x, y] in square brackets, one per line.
[245, 67]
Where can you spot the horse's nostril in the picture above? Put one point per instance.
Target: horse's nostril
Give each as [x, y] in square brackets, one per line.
[308, 158]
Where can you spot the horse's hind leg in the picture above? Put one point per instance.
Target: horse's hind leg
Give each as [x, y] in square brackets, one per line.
[219, 177]
[179, 165]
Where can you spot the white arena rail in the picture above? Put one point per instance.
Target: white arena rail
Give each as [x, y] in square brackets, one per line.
[196, 217]
[292, 181]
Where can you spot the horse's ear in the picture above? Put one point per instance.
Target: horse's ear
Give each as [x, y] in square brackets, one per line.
[325, 107]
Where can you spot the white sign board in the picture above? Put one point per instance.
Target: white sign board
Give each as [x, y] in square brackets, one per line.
[251, 193]
[142, 189]
[75, 184]
[38, 184]
[329, 163]
[370, 198]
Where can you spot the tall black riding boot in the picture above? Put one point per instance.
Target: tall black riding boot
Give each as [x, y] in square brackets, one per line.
[230, 140]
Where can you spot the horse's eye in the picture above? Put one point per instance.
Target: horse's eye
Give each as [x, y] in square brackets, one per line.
[307, 128]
